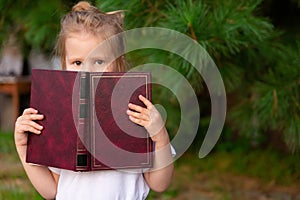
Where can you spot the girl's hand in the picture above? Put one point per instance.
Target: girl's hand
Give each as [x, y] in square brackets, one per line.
[148, 117]
[159, 178]
[44, 181]
[26, 123]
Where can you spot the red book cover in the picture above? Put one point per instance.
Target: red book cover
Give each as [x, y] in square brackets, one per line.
[85, 122]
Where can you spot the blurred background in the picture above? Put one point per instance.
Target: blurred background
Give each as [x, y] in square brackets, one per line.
[256, 47]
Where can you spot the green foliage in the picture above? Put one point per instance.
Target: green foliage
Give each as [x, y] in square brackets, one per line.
[35, 22]
[265, 163]
[14, 183]
[17, 193]
[42, 24]
[138, 13]
[7, 142]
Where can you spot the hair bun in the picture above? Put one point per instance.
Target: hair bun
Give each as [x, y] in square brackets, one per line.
[82, 6]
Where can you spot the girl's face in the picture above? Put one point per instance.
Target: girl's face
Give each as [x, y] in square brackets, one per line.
[80, 54]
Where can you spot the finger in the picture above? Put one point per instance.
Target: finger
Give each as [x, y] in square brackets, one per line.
[33, 116]
[138, 108]
[32, 129]
[137, 121]
[30, 123]
[27, 128]
[138, 115]
[29, 111]
[145, 101]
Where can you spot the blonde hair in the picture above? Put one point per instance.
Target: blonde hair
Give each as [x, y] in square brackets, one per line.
[87, 18]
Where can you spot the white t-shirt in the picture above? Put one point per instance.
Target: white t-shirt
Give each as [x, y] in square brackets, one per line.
[98, 185]
[102, 185]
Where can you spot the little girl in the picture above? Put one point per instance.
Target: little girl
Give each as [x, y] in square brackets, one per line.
[82, 30]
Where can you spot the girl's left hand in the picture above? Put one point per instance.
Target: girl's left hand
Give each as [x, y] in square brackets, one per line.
[148, 117]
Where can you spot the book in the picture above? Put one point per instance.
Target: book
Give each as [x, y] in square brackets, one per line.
[86, 127]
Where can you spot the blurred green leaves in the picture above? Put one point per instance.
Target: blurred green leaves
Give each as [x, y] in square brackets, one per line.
[259, 62]
[36, 23]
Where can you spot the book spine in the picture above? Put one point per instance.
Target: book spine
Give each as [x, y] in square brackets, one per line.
[83, 155]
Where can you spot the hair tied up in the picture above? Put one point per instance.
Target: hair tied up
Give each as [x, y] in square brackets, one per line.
[117, 12]
[82, 6]
[119, 16]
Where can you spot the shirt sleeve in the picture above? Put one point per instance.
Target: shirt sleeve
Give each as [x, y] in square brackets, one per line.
[173, 151]
[55, 170]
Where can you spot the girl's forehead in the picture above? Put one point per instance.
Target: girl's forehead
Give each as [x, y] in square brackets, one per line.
[87, 45]
[83, 35]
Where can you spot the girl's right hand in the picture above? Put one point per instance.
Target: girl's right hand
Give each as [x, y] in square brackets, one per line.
[26, 123]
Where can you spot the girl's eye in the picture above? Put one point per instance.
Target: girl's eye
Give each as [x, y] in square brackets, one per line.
[99, 62]
[77, 63]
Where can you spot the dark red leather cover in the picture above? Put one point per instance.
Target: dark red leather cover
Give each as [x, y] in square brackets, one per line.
[51, 95]
[118, 143]
[110, 140]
